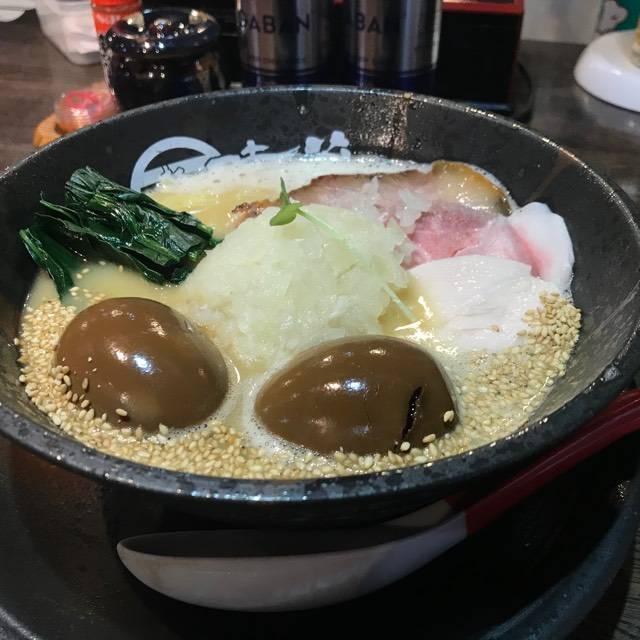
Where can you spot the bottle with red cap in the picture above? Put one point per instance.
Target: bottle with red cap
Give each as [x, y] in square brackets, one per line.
[108, 12]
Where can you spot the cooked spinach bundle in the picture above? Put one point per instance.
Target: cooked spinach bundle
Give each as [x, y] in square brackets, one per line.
[102, 220]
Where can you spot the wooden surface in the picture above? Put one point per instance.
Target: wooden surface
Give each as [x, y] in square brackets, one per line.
[33, 74]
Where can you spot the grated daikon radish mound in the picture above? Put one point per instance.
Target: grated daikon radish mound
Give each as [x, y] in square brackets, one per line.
[269, 292]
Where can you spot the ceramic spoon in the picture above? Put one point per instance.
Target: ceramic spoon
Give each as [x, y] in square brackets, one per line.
[282, 571]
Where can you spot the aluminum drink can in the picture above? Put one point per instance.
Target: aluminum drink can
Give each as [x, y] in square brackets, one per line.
[393, 44]
[284, 41]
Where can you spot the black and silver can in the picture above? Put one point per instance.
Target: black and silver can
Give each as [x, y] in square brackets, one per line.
[284, 41]
[393, 44]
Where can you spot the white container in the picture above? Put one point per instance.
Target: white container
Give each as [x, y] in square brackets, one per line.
[13, 9]
[561, 20]
[606, 69]
[69, 25]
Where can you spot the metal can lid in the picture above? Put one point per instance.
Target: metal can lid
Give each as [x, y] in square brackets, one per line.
[163, 32]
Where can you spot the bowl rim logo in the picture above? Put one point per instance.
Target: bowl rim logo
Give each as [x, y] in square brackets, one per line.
[143, 177]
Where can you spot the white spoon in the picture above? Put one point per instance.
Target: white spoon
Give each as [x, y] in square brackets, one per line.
[253, 570]
[284, 570]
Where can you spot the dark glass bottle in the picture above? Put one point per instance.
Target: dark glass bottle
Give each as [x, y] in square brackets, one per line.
[160, 54]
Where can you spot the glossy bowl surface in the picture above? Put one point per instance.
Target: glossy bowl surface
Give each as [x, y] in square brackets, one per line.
[188, 133]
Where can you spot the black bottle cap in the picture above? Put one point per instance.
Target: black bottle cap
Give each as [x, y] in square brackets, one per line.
[163, 32]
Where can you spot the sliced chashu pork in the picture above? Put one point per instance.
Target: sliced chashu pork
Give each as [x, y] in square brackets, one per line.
[405, 195]
[533, 235]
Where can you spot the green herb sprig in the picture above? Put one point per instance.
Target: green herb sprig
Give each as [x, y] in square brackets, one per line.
[290, 210]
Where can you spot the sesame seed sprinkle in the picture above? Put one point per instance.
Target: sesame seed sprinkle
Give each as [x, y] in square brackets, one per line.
[495, 396]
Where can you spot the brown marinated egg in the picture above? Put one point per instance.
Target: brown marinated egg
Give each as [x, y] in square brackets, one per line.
[365, 395]
[142, 363]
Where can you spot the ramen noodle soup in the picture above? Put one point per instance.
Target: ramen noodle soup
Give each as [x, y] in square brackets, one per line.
[346, 316]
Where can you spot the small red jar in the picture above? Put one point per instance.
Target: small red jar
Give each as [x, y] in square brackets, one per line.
[108, 12]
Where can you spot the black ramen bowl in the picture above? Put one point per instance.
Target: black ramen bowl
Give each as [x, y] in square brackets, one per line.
[183, 135]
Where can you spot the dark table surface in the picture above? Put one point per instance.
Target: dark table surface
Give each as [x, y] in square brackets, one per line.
[33, 73]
